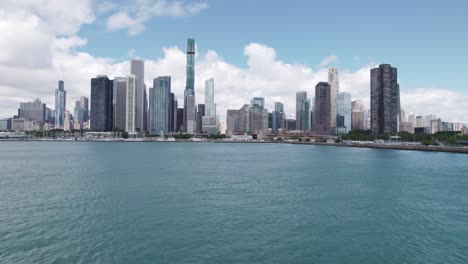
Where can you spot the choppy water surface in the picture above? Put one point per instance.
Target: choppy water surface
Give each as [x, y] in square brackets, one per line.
[230, 203]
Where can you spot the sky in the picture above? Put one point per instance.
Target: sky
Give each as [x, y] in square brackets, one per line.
[251, 48]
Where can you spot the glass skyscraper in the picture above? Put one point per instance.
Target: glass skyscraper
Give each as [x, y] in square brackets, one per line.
[343, 112]
[101, 104]
[189, 109]
[60, 104]
[302, 111]
[160, 105]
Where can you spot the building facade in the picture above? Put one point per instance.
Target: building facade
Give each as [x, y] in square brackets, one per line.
[301, 115]
[35, 110]
[160, 105]
[343, 111]
[101, 103]
[131, 107]
[334, 81]
[137, 68]
[120, 104]
[209, 124]
[385, 100]
[322, 108]
[258, 102]
[189, 93]
[60, 104]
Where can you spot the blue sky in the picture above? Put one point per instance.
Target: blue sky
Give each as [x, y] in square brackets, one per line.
[251, 48]
[426, 40]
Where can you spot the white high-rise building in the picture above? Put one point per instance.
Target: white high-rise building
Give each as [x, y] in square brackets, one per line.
[131, 105]
[191, 124]
[210, 107]
[209, 124]
[334, 81]
[137, 68]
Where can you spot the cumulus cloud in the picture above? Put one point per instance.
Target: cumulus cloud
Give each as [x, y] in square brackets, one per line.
[44, 53]
[133, 18]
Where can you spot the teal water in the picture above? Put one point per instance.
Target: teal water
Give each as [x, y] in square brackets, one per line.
[230, 203]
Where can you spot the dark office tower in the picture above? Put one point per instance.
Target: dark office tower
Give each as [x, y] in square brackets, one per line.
[60, 105]
[180, 119]
[189, 107]
[385, 100]
[101, 104]
[200, 114]
[145, 111]
[270, 120]
[171, 112]
[322, 108]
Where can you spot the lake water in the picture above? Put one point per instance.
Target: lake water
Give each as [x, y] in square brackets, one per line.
[230, 203]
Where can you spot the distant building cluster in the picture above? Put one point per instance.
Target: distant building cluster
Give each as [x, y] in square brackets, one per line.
[123, 104]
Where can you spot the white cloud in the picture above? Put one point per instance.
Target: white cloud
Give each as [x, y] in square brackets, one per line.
[36, 54]
[122, 20]
[328, 61]
[133, 18]
[446, 104]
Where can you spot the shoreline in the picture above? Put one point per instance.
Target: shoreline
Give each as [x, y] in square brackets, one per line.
[458, 150]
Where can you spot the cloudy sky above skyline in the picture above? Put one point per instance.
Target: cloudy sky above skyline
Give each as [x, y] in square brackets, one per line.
[250, 48]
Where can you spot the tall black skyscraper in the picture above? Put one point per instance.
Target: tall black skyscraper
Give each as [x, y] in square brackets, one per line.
[200, 115]
[101, 104]
[385, 100]
[322, 108]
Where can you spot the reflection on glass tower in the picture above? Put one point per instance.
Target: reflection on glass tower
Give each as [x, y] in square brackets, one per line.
[189, 109]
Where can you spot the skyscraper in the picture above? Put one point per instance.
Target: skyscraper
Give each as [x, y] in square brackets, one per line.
[385, 100]
[35, 110]
[334, 81]
[189, 110]
[190, 113]
[179, 119]
[137, 68]
[60, 104]
[84, 102]
[209, 119]
[343, 112]
[199, 119]
[302, 111]
[172, 112]
[120, 103]
[101, 103]
[258, 102]
[232, 121]
[78, 113]
[277, 117]
[210, 107]
[131, 107]
[357, 115]
[322, 108]
[160, 106]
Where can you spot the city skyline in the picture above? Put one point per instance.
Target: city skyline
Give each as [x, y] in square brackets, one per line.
[240, 74]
